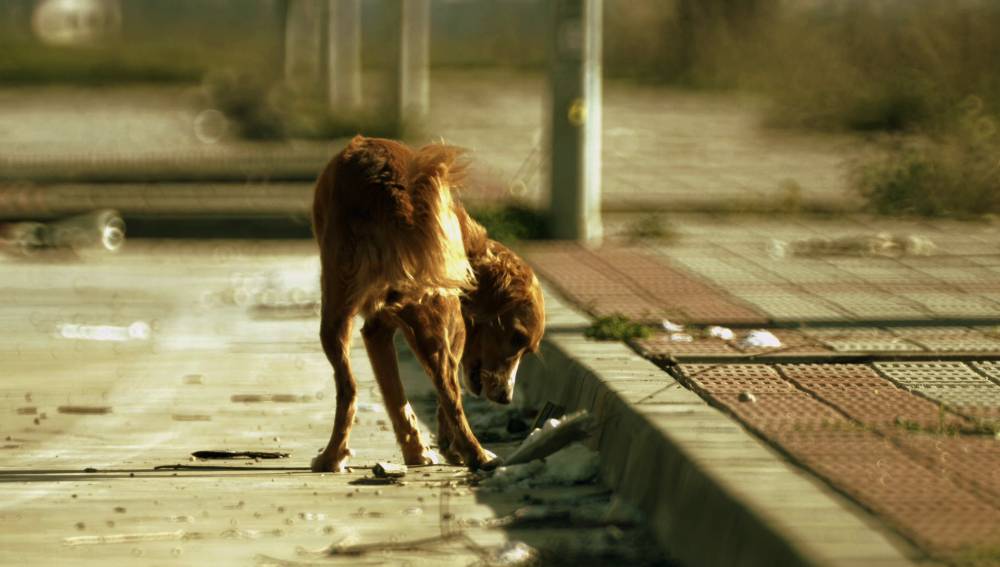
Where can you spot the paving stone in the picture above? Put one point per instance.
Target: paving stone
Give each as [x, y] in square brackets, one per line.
[929, 372]
[863, 340]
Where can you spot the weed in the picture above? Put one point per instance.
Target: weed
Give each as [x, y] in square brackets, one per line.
[512, 223]
[952, 173]
[263, 109]
[650, 226]
[616, 327]
[981, 555]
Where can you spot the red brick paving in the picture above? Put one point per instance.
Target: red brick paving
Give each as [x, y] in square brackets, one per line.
[632, 281]
[842, 423]
[906, 440]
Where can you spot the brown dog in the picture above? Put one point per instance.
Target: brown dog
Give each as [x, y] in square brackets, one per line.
[396, 248]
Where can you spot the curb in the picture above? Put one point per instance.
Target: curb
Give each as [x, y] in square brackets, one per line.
[713, 494]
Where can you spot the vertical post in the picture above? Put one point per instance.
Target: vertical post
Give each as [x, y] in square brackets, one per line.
[344, 56]
[303, 44]
[415, 45]
[392, 15]
[408, 21]
[574, 132]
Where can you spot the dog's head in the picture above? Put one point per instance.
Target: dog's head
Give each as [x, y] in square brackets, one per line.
[504, 320]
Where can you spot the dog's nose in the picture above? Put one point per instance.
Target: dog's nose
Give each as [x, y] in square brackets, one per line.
[502, 397]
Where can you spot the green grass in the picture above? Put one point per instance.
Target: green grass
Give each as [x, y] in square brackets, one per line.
[616, 328]
[512, 223]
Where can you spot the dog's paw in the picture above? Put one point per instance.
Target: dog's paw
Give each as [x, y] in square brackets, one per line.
[327, 463]
[424, 457]
[485, 461]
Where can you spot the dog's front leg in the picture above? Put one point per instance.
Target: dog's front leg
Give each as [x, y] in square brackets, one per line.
[436, 332]
[335, 335]
[445, 438]
[378, 333]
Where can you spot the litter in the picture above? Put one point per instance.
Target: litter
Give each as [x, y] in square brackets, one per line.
[575, 464]
[238, 455]
[724, 333]
[389, 470]
[748, 397]
[671, 327]
[130, 538]
[84, 410]
[512, 554]
[681, 338]
[553, 436]
[882, 244]
[760, 338]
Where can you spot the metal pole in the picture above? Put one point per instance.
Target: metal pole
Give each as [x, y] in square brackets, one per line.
[574, 133]
[392, 12]
[344, 56]
[409, 22]
[415, 46]
[303, 44]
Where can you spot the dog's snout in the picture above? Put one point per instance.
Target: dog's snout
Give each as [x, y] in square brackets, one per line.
[502, 397]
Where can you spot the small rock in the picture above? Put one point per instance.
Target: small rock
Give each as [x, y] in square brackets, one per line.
[389, 470]
[748, 397]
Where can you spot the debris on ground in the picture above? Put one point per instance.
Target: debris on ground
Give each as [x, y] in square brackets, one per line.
[552, 437]
[389, 470]
[616, 327]
[724, 333]
[575, 464]
[671, 327]
[129, 538]
[206, 455]
[578, 514]
[512, 554]
[760, 338]
[493, 424]
[882, 244]
[681, 338]
[84, 410]
[748, 397]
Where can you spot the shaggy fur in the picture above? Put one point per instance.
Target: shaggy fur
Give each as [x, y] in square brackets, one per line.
[398, 249]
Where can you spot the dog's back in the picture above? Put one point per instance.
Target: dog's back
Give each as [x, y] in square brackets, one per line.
[384, 219]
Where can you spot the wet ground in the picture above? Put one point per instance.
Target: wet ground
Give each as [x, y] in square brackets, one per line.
[116, 368]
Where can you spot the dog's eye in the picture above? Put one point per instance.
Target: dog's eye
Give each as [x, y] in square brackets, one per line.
[519, 340]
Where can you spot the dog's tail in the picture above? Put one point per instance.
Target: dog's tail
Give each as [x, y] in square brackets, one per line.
[395, 207]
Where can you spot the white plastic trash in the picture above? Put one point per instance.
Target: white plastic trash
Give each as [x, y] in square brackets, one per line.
[760, 338]
[724, 333]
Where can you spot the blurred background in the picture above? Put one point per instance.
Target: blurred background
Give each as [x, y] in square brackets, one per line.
[174, 111]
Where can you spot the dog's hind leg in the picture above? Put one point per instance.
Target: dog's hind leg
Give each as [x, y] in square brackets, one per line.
[378, 333]
[436, 333]
[335, 335]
